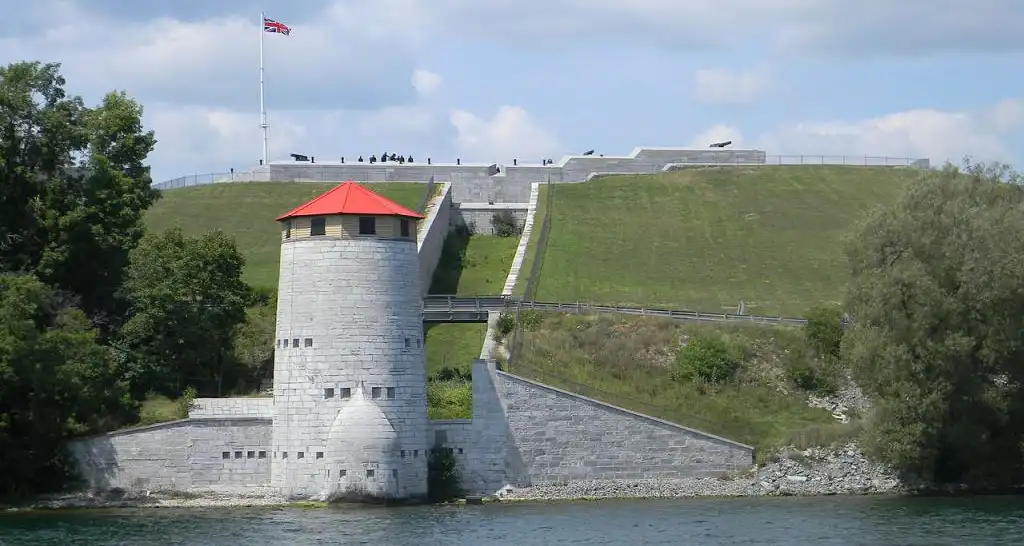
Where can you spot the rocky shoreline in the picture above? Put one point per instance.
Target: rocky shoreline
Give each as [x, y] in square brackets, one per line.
[812, 472]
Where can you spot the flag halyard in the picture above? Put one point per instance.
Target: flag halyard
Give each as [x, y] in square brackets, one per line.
[277, 27]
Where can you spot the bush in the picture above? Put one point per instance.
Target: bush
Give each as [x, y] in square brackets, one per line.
[530, 320]
[506, 323]
[505, 224]
[706, 359]
[442, 476]
[447, 373]
[451, 399]
[824, 330]
[186, 402]
[818, 375]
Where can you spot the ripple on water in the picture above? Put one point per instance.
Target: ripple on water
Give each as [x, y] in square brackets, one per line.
[877, 521]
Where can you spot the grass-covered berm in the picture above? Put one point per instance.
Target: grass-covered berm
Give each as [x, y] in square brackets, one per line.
[747, 382]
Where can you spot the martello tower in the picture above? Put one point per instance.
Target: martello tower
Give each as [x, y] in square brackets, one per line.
[349, 378]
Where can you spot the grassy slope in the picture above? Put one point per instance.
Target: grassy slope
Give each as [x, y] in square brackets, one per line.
[247, 211]
[627, 361]
[469, 266]
[706, 238]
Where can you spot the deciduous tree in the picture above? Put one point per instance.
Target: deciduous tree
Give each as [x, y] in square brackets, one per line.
[186, 297]
[937, 299]
[73, 185]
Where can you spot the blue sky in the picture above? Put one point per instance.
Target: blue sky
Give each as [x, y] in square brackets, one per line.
[490, 80]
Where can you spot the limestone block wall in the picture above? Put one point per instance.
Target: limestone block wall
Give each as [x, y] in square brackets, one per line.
[233, 407]
[432, 232]
[527, 433]
[177, 455]
[510, 183]
[481, 215]
[352, 311]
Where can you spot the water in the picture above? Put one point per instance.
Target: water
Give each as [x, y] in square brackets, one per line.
[785, 521]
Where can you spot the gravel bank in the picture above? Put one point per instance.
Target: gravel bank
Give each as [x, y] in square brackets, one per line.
[843, 471]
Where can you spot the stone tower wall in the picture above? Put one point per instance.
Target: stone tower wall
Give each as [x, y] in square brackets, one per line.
[349, 313]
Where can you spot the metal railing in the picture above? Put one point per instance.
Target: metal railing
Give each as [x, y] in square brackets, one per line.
[541, 244]
[362, 172]
[428, 192]
[204, 179]
[456, 305]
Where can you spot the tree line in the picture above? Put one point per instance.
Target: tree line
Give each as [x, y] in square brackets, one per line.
[96, 314]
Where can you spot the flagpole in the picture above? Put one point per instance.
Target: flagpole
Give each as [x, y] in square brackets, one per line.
[263, 107]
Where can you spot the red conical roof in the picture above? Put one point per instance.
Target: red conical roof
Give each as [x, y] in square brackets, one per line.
[350, 198]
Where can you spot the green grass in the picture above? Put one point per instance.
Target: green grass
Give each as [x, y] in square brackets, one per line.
[474, 265]
[246, 211]
[629, 362]
[707, 238]
[453, 345]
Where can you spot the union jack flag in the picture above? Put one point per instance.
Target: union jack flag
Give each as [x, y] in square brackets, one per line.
[270, 25]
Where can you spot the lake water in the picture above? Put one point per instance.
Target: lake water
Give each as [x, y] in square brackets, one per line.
[874, 521]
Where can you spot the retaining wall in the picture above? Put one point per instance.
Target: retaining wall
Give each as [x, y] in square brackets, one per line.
[195, 452]
[481, 215]
[497, 183]
[432, 234]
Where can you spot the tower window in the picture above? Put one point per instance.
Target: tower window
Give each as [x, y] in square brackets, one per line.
[238, 454]
[370, 472]
[367, 225]
[317, 226]
[287, 229]
[408, 343]
[319, 454]
[390, 393]
[328, 393]
[250, 455]
[284, 454]
[295, 342]
[346, 393]
[375, 392]
[403, 226]
[417, 343]
[301, 455]
[342, 473]
[225, 455]
[262, 455]
[394, 473]
[308, 342]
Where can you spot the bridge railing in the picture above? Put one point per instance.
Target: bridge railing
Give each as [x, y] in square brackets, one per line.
[483, 304]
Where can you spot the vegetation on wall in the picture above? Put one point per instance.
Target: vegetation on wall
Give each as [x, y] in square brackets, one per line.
[442, 476]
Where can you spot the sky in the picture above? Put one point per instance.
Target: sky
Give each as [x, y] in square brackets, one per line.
[493, 80]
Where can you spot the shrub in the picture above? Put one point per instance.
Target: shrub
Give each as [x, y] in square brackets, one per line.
[811, 374]
[451, 399]
[506, 323]
[530, 320]
[505, 224]
[706, 359]
[442, 476]
[824, 330]
[186, 402]
[447, 373]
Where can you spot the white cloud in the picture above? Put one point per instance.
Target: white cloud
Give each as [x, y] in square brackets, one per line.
[722, 86]
[425, 81]
[920, 133]
[510, 134]
[216, 61]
